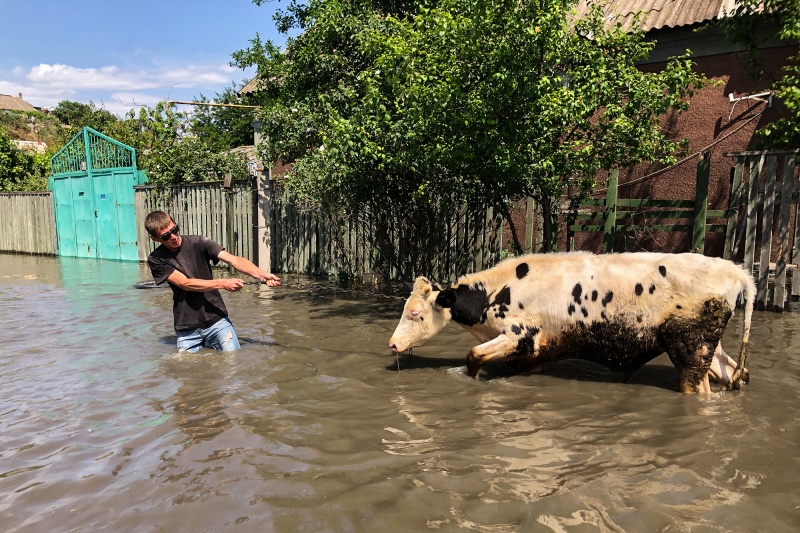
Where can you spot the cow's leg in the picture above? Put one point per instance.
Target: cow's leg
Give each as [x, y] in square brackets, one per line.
[723, 366]
[691, 342]
[498, 348]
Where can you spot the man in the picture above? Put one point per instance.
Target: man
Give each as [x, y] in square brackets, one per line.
[183, 260]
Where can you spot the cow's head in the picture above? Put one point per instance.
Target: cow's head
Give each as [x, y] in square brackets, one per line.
[425, 314]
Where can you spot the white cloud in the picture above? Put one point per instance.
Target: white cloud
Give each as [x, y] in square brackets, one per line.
[118, 89]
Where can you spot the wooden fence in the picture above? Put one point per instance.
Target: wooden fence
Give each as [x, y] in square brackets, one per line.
[616, 216]
[204, 208]
[304, 242]
[763, 215]
[28, 224]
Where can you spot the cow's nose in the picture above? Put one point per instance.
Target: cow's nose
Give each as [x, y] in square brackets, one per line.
[393, 346]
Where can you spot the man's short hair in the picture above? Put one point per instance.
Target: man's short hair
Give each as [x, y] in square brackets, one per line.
[155, 221]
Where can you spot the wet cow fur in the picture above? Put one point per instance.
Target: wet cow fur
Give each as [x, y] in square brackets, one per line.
[619, 310]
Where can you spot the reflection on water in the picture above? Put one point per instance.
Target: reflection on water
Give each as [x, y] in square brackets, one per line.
[311, 427]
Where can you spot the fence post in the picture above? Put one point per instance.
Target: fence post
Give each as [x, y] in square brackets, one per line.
[610, 212]
[701, 203]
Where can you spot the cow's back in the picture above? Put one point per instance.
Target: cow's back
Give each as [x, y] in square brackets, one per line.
[641, 289]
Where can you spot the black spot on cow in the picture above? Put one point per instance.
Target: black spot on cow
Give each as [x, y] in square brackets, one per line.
[502, 301]
[525, 344]
[594, 296]
[607, 298]
[571, 309]
[663, 270]
[603, 315]
[576, 293]
[678, 306]
[522, 270]
[421, 318]
[639, 319]
[516, 329]
[521, 306]
[467, 304]
[639, 289]
[585, 312]
[652, 289]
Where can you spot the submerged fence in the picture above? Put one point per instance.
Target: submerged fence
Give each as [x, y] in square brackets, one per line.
[28, 223]
[764, 215]
[761, 226]
[306, 242]
[204, 208]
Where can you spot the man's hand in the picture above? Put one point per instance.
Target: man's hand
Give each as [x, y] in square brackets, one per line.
[231, 284]
[271, 280]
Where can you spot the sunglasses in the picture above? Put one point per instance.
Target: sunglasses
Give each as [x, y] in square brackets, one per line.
[174, 231]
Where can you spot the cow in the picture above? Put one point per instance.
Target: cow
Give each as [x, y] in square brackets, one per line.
[619, 310]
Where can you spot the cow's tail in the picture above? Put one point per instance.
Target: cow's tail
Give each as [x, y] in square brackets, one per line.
[748, 287]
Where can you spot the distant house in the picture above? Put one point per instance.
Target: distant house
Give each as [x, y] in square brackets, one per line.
[13, 103]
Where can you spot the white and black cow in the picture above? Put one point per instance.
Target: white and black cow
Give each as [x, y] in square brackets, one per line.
[619, 310]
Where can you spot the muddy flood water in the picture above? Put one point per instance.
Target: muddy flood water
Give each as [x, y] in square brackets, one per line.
[311, 427]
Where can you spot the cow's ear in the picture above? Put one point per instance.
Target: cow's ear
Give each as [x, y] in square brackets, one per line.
[446, 298]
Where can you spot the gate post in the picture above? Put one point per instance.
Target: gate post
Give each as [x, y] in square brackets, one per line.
[701, 203]
[611, 212]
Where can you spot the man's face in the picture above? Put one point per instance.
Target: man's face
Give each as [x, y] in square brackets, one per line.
[169, 236]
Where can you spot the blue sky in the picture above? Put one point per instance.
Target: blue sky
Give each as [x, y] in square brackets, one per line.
[123, 55]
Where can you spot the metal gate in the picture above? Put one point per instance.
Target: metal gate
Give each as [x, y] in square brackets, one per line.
[92, 184]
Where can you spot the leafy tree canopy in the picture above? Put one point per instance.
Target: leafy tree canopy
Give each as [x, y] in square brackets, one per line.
[78, 115]
[457, 101]
[224, 128]
[19, 169]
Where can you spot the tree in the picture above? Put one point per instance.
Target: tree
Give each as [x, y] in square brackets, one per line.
[224, 128]
[20, 170]
[78, 115]
[170, 151]
[404, 108]
[752, 23]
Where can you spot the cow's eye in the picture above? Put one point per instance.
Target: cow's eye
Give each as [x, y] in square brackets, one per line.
[414, 314]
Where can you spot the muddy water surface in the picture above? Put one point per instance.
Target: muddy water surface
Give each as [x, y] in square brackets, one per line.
[311, 427]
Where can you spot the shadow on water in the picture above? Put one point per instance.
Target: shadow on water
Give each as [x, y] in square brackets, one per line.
[650, 375]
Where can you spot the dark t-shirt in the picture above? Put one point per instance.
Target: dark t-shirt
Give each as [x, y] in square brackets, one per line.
[192, 310]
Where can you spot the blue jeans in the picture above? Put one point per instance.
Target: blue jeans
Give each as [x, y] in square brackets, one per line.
[219, 336]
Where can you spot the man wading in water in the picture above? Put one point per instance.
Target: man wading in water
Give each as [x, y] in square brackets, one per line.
[183, 260]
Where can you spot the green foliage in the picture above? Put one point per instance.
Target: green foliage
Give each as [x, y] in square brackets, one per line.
[170, 151]
[78, 115]
[444, 103]
[753, 23]
[224, 128]
[19, 169]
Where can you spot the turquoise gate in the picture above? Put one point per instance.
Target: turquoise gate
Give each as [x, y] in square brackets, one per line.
[92, 184]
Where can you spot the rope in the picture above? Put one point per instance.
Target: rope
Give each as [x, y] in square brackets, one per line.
[321, 287]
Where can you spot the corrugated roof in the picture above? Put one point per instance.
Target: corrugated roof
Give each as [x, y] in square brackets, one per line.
[14, 104]
[660, 13]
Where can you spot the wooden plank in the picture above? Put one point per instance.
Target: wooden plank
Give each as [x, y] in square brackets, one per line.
[767, 219]
[787, 187]
[734, 206]
[530, 208]
[649, 202]
[701, 204]
[751, 221]
[611, 212]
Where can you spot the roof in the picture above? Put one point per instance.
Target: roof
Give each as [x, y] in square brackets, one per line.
[658, 14]
[13, 103]
[250, 87]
